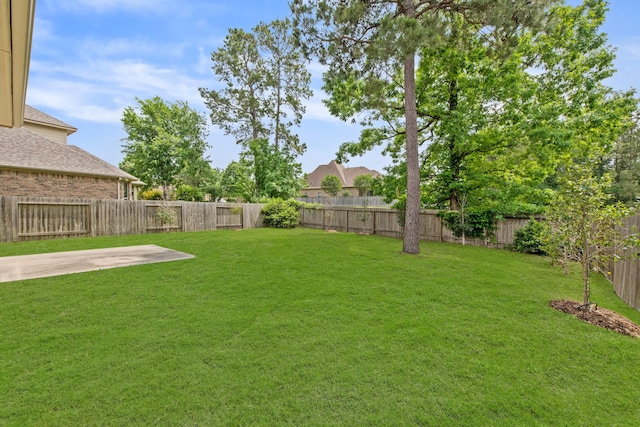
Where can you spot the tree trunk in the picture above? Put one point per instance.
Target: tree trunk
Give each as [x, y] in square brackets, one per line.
[586, 276]
[411, 241]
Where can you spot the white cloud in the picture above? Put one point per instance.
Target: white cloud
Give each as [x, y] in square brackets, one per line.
[98, 91]
[74, 99]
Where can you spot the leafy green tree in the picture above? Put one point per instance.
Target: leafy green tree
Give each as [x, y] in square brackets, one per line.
[263, 172]
[585, 226]
[164, 141]
[577, 116]
[212, 184]
[265, 81]
[331, 185]
[470, 102]
[364, 183]
[189, 193]
[237, 183]
[275, 172]
[371, 48]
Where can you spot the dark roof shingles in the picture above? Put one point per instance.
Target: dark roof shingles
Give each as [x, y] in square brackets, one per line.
[33, 115]
[22, 149]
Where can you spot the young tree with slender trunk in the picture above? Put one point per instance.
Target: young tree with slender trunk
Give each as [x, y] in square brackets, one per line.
[585, 227]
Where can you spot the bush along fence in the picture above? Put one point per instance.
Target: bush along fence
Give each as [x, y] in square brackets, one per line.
[30, 218]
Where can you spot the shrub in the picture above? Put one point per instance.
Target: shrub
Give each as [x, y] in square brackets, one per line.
[151, 194]
[528, 239]
[478, 223]
[189, 193]
[280, 213]
[167, 215]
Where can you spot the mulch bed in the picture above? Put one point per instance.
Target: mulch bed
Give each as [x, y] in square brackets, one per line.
[598, 316]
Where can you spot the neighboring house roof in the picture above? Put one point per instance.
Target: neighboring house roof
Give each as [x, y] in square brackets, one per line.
[23, 149]
[36, 116]
[346, 175]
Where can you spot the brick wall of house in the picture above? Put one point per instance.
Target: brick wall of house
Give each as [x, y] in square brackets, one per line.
[41, 184]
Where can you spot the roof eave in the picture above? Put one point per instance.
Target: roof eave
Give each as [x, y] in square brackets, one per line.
[70, 172]
[16, 26]
[68, 129]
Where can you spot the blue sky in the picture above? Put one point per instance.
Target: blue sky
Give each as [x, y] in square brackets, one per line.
[91, 58]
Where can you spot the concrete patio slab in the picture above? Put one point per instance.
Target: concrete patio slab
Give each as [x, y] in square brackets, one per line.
[58, 263]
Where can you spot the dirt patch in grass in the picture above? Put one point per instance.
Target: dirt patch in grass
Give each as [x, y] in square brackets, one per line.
[598, 316]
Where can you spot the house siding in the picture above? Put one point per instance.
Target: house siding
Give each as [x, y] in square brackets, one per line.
[42, 184]
[53, 134]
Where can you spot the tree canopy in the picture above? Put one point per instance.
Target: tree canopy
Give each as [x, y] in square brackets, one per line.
[331, 185]
[264, 83]
[165, 143]
[370, 49]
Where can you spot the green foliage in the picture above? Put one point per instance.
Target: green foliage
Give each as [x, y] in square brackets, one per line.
[151, 194]
[165, 141]
[401, 209]
[265, 81]
[331, 185]
[237, 183]
[371, 48]
[626, 164]
[279, 213]
[364, 183]
[189, 193]
[275, 172]
[585, 227]
[530, 238]
[476, 223]
[212, 184]
[167, 215]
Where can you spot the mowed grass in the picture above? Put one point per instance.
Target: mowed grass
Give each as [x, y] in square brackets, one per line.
[303, 327]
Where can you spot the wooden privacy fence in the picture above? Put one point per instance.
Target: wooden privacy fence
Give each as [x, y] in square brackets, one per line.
[626, 273]
[384, 222]
[358, 201]
[30, 218]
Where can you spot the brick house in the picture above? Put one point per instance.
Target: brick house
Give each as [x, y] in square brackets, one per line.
[35, 160]
[346, 176]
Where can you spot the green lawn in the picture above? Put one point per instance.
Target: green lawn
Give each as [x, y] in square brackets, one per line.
[301, 327]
